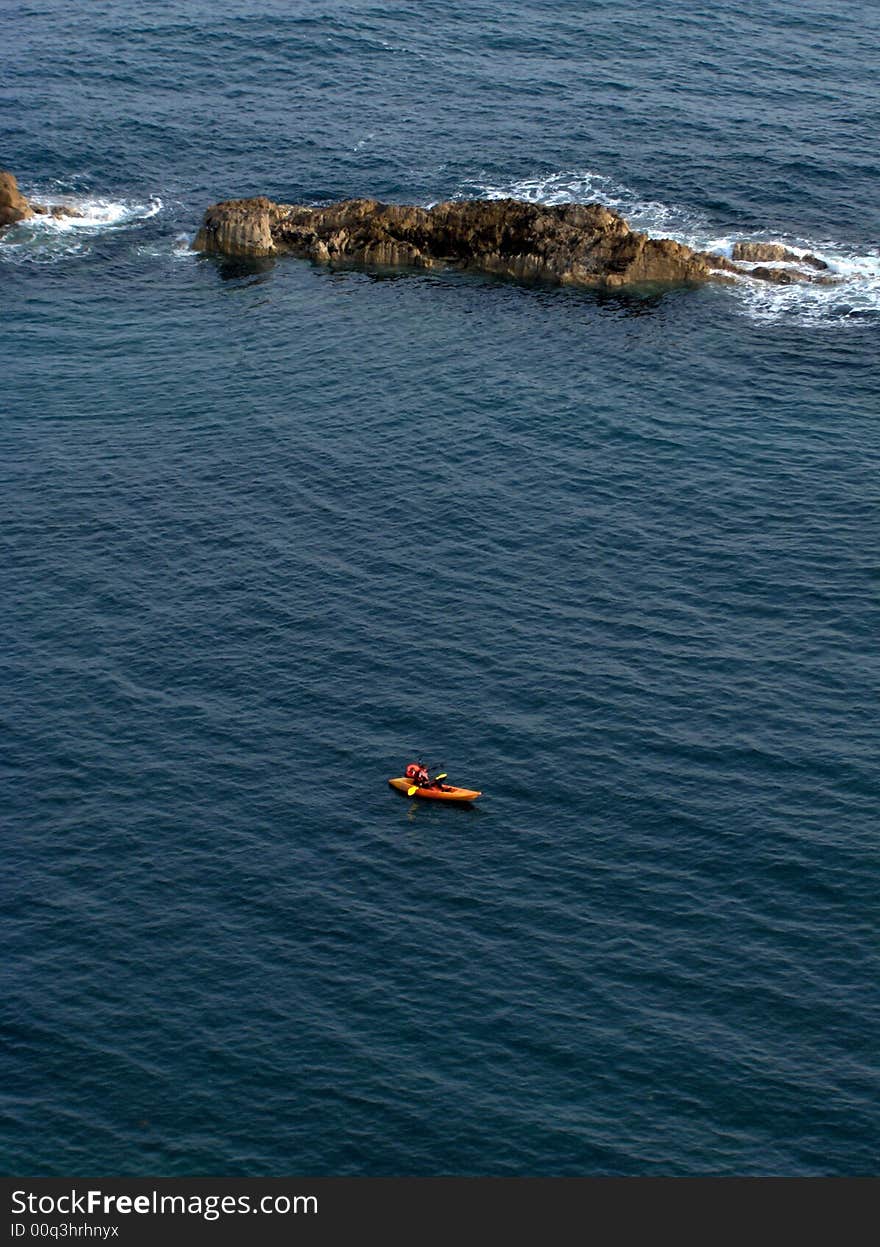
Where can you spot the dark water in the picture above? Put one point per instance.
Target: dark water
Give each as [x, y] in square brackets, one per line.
[268, 532]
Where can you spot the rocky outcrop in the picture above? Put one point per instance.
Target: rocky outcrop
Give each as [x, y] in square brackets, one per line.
[239, 227]
[14, 207]
[566, 244]
[570, 244]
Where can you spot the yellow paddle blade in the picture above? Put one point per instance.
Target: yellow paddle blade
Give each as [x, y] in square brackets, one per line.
[411, 792]
[444, 775]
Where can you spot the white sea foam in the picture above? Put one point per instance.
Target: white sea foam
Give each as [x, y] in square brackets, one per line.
[182, 249]
[855, 295]
[44, 239]
[587, 186]
[847, 301]
[178, 247]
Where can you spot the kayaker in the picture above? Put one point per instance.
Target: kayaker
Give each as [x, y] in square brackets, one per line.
[418, 773]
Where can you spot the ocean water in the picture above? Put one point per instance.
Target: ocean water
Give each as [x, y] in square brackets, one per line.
[269, 532]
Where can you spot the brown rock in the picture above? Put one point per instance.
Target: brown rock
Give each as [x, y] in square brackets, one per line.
[761, 251]
[13, 205]
[56, 210]
[238, 227]
[781, 276]
[570, 244]
[567, 244]
[773, 251]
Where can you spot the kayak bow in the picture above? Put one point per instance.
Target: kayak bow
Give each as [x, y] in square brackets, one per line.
[444, 792]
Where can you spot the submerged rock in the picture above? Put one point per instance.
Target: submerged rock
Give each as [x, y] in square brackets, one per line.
[780, 276]
[56, 210]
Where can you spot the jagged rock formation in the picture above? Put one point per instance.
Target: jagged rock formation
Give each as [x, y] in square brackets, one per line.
[571, 244]
[566, 244]
[14, 207]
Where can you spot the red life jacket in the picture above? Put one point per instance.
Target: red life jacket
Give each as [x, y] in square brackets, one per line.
[412, 770]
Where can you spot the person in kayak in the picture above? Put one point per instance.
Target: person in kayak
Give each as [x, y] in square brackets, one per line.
[418, 773]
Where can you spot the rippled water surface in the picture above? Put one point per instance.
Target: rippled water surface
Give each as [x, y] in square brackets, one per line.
[269, 531]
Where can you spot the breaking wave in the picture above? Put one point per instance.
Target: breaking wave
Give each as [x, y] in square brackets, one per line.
[47, 239]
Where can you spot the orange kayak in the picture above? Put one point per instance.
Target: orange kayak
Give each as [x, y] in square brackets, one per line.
[445, 792]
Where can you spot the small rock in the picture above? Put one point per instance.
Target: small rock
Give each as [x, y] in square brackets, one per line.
[766, 251]
[781, 276]
[13, 205]
[774, 252]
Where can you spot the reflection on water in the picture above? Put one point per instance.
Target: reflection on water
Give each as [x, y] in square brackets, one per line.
[639, 302]
[634, 301]
[247, 270]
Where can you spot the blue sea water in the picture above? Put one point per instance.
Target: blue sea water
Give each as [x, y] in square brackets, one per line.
[269, 532]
